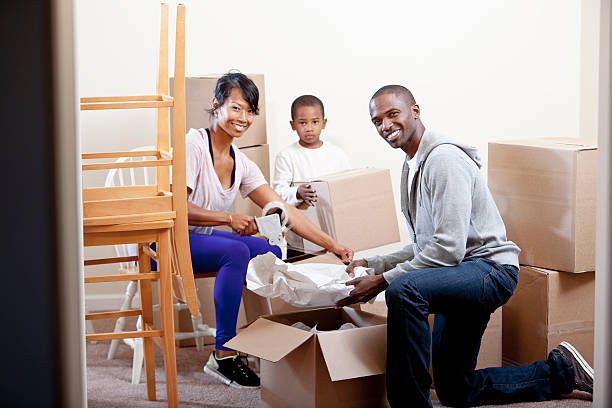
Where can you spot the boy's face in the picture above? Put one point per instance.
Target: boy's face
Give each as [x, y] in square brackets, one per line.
[308, 123]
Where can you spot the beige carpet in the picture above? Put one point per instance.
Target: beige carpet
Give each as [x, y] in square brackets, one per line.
[108, 383]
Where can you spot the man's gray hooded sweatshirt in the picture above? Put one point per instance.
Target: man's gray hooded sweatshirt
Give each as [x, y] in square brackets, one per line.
[450, 212]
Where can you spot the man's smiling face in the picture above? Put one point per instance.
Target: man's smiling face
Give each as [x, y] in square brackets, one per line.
[395, 119]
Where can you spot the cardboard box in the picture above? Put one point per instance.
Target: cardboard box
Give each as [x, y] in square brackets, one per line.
[546, 191]
[356, 208]
[335, 368]
[490, 354]
[261, 156]
[199, 92]
[548, 307]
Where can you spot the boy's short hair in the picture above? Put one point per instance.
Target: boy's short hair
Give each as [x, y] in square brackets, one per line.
[235, 79]
[306, 100]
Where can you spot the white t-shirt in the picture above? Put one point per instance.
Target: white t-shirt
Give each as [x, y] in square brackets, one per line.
[207, 191]
[296, 163]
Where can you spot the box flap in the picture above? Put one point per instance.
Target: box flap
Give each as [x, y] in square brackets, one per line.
[268, 340]
[354, 353]
[562, 143]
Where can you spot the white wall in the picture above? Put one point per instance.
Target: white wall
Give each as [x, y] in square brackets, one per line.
[480, 70]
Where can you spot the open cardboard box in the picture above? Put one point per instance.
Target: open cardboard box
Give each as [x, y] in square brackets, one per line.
[335, 368]
[256, 306]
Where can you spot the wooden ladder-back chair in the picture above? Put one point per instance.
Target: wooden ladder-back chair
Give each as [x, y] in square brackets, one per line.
[134, 176]
[147, 213]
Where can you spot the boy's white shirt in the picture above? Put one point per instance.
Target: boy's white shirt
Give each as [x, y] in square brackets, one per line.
[296, 163]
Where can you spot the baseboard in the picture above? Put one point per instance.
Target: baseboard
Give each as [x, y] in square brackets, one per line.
[109, 301]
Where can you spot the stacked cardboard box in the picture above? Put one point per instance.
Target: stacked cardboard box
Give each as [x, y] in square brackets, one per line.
[545, 190]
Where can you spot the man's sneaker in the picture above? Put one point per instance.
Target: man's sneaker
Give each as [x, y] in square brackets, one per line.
[232, 371]
[583, 372]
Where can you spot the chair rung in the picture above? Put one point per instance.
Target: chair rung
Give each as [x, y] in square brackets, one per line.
[123, 277]
[127, 102]
[108, 155]
[124, 335]
[126, 165]
[110, 315]
[127, 98]
[129, 218]
[103, 261]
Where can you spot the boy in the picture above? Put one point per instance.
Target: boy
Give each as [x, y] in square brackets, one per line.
[309, 157]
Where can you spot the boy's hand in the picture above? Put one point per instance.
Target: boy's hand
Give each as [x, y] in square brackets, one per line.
[307, 193]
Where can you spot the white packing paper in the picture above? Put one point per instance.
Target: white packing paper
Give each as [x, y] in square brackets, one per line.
[303, 285]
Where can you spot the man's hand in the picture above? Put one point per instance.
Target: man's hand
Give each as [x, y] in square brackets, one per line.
[350, 269]
[344, 253]
[366, 287]
[307, 193]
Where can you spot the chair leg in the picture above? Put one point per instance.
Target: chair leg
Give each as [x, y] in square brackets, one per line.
[146, 306]
[137, 361]
[130, 292]
[167, 316]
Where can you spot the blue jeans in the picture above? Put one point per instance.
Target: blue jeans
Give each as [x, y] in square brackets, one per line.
[463, 298]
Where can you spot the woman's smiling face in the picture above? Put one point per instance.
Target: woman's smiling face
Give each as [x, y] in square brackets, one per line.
[235, 115]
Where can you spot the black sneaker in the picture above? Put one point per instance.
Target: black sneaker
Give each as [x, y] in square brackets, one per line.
[232, 371]
[583, 372]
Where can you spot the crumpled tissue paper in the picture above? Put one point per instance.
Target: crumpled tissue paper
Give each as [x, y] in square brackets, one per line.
[303, 285]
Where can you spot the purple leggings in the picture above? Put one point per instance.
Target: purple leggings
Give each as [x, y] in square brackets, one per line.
[228, 254]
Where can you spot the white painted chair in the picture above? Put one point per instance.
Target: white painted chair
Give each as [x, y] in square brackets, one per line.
[132, 177]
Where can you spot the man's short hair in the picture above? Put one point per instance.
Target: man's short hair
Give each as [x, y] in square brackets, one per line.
[396, 90]
[306, 100]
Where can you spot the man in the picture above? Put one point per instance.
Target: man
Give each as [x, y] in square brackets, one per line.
[460, 267]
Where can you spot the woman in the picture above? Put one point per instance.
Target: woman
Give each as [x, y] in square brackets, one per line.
[216, 171]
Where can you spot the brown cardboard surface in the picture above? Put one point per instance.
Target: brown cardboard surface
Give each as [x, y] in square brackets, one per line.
[290, 381]
[342, 200]
[548, 307]
[268, 340]
[358, 355]
[199, 92]
[545, 190]
[260, 155]
[302, 378]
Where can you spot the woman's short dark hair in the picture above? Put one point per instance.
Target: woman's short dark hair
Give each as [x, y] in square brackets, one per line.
[232, 80]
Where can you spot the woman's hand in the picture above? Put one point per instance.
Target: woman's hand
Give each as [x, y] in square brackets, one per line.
[350, 269]
[243, 224]
[344, 253]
